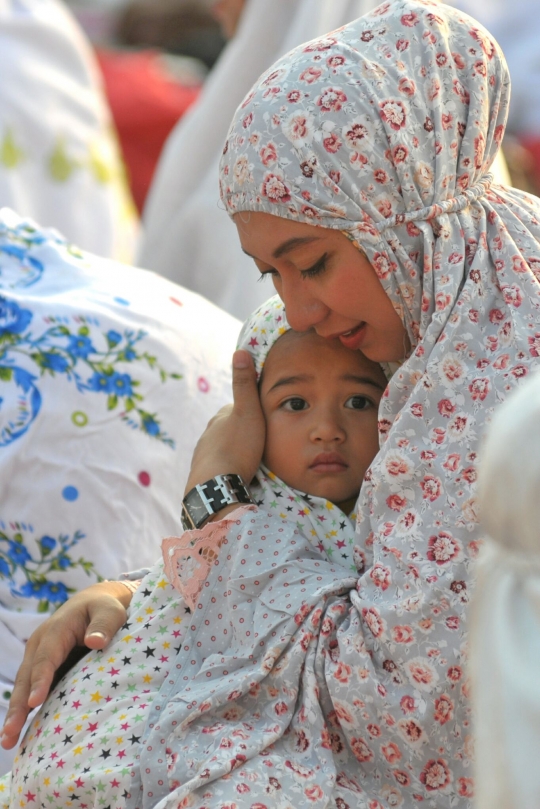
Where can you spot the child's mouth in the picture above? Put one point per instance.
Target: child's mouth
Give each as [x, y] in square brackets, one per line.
[328, 462]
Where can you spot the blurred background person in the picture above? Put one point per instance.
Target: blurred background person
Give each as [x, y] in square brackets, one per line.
[59, 158]
[505, 620]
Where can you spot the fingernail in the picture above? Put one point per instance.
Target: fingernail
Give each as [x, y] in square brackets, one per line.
[240, 359]
[99, 635]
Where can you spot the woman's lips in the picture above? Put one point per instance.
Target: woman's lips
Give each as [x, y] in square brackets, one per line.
[354, 337]
[328, 462]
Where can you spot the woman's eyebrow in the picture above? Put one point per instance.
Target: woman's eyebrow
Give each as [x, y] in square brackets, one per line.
[288, 246]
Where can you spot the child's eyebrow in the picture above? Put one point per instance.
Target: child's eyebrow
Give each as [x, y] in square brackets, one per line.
[363, 380]
[289, 380]
[360, 380]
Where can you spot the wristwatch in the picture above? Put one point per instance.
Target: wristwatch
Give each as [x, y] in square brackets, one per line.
[210, 497]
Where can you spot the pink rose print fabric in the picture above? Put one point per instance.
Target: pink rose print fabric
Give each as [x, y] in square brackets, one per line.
[297, 682]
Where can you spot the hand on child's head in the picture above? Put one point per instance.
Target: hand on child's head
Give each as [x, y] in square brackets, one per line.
[320, 402]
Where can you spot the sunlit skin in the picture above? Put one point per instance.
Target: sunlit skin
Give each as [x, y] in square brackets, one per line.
[325, 283]
[320, 402]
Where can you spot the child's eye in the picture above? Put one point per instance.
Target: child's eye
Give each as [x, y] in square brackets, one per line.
[358, 403]
[296, 403]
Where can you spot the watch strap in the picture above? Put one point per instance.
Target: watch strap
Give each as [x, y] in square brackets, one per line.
[208, 498]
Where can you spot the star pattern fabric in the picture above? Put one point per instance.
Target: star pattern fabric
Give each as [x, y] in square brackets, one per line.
[82, 748]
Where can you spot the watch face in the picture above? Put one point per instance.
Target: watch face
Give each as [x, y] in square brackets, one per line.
[196, 507]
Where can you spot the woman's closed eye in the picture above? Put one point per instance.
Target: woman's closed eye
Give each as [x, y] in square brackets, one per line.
[317, 268]
[311, 272]
[295, 404]
[266, 274]
[358, 402]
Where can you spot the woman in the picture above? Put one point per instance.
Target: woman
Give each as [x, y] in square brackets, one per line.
[324, 689]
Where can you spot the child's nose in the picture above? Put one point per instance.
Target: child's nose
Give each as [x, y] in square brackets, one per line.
[328, 430]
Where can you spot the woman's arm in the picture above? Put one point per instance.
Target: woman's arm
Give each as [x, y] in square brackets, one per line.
[89, 619]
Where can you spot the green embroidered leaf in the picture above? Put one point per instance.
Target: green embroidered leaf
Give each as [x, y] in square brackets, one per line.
[61, 166]
[84, 331]
[10, 154]
[112, 401]
[129, 404]
[6, 374]
[43, 606]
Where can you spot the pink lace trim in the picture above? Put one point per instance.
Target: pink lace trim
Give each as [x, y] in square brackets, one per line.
[188, 558]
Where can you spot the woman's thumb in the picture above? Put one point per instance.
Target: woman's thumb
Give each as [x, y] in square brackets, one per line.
[244, 382]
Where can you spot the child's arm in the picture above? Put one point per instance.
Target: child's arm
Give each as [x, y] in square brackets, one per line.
[89, 618]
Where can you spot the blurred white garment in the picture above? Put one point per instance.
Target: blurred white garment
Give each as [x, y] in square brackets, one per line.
[59, 159]
[515, 24]
[187, 236]
[505, 629]
[108, 376]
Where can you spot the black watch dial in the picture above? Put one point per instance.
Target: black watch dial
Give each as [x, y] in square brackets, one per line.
[197, 509]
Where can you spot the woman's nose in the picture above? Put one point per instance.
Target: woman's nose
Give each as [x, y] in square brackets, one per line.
[303, 310]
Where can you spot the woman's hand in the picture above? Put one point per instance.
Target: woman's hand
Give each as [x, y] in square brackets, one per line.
[90, 618]
[233, 442]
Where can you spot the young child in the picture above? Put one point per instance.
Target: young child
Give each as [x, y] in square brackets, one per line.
[321, 437]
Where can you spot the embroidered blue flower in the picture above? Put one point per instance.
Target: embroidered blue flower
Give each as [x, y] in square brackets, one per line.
[54, 362]
[63, 562]
[47, 543]
[29, 572]
[80, 346]
[18, 553]
[13, 319]
[113, 338]
[98, 382]
[120, 384]
[32, 589]
[150, 425]
[23, 379]
[55, 592]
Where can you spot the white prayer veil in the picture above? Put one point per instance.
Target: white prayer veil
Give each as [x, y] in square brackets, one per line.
[505, 630]
[188, 237]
